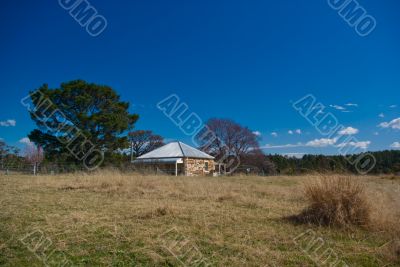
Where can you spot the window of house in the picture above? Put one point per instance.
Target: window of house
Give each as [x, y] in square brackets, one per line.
[206, 166]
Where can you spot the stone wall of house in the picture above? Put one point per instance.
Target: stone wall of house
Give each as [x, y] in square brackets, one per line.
[195, 167]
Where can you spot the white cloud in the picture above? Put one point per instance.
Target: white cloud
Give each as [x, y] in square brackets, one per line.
[376, 133]
[394, 124]
[337, 107]
[393, 106]
[395, 145]
[351, 105]
[381, 115]
[348, 131]
[8, 123]
[297, 131]
[274, 134]
[362, 144]
[26, 141]
[282, 146]
[293, 155]
[323, 142]
[257, 133]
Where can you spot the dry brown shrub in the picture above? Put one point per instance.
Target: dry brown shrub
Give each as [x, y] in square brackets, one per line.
[392, 251]
[336, 201]
[158, 212]
[226, 197]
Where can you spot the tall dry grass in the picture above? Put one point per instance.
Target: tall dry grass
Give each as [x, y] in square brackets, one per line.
[230, 212]
[336, 201]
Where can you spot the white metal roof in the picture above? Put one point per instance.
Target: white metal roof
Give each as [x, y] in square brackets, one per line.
[175, 150]
[161, 160]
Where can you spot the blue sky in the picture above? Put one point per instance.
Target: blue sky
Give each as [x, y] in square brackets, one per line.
[229, 59]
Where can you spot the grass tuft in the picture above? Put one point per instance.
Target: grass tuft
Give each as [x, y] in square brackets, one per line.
[336, 201]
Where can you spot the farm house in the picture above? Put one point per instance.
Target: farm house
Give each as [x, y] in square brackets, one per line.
[179, 159]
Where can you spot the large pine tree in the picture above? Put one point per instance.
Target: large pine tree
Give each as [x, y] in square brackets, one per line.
[79, 117]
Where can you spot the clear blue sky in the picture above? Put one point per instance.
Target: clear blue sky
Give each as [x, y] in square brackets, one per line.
[232, 59]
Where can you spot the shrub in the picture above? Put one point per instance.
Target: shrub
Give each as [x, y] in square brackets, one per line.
[336, 201]
[393, 251]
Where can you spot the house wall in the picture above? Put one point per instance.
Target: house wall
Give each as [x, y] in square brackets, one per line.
[194, 167]
[160, 168]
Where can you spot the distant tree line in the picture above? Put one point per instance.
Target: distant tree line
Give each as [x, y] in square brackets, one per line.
[387, 162]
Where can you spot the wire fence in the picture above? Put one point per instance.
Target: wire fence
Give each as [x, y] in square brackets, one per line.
[26, 168]
[23, 168]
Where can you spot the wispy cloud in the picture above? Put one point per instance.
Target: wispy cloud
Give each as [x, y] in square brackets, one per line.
[257, 133]
[381, 115]
[293, 155]
[348, 131]
[8, 123]
[362, 144]
[26, 141]
[337, 107]
[351, 105]
[395, 145]
[394, 124]
[323, 142]
[274, 134]
[297, 131]
[282, 146]
[344, 108]
[393, 106]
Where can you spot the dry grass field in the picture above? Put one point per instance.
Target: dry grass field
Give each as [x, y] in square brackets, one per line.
[114, 219]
